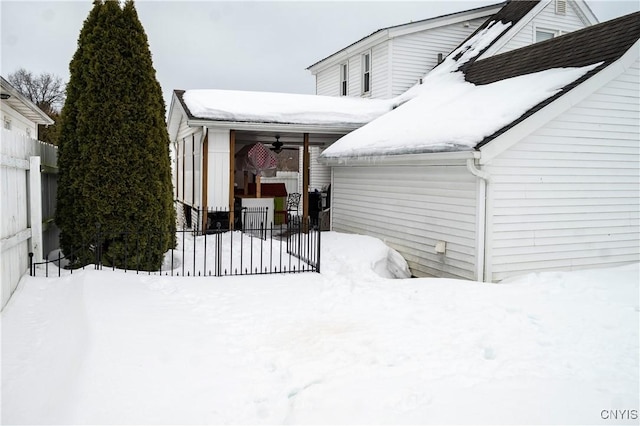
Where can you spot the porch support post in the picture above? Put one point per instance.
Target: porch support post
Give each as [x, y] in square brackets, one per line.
[205, 180]
[305, 177]
[232, 177]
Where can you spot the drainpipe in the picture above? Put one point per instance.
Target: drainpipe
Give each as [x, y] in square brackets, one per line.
[481, 216]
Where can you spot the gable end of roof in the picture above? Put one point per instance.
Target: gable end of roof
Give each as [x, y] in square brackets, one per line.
[605, 42]
[379, 32]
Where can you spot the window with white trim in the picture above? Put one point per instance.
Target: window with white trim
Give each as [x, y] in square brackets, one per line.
[542, 34]
[366, 73]
[344, 73]
[7, 123]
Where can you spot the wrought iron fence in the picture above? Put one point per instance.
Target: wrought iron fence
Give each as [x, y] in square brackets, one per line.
[214, 250]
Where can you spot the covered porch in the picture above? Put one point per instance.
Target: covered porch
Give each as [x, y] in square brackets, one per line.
[227, 187]
[210, 128]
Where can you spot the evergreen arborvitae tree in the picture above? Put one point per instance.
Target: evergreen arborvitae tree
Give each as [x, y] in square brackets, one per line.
[114, 187]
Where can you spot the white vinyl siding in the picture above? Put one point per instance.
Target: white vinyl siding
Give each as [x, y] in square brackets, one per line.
[328, 82]
[380, 71]
[414, 55]
[568, 196]
[319, 174]
[396, 64]
[188, 168]
[411, 208]
[17, 122]
[355, 77]
[548, 20]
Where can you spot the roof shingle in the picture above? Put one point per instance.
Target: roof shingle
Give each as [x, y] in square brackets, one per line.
[605, 42]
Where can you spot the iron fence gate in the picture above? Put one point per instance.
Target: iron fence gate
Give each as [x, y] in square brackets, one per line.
[290, 247]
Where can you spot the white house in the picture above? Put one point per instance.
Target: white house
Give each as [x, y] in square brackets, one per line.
[21, 210]
[390, 61]
[207, 130]
[522, 161]
[19, 114]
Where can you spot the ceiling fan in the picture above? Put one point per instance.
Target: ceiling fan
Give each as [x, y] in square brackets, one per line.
[279, 146]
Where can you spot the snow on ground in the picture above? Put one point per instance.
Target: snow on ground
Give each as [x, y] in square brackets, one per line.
[343, 346]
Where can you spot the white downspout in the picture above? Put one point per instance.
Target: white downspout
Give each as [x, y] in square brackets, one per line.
[481, 217]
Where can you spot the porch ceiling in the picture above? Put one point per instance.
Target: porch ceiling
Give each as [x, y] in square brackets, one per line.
[288, 138]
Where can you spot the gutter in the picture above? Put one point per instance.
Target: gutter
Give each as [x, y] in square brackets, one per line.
[276, 127]
[427, 158]
[481, 217]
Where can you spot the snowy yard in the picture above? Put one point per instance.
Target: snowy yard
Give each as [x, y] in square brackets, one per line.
[344, 346]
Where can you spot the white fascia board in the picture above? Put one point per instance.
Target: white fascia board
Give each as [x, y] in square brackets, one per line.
[401, 30]
[187, 132]
[443, 21]
[361, 46]
[560, 105]
[176, 112]
[584, 12]
[274, 127]
[29, 110]
[425, 159]
[515, 29]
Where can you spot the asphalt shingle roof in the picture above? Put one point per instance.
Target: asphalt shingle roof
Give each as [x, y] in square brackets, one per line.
[512, 12]
[605, 42]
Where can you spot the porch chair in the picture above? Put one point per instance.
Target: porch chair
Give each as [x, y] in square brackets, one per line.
[293, 202]
[291, 205]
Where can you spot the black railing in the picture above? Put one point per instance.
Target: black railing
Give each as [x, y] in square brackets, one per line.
[290, 247]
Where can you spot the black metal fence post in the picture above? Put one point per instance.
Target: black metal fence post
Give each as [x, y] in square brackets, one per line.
[294, 238]
[319, 233]
[98, 247]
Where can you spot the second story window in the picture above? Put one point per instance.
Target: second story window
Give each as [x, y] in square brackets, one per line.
[343, 79]
[366, 73]
[7, 123]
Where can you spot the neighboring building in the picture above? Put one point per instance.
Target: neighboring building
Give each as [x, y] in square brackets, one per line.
[19, 114]
[529, 163]
[390, 61]
[26, 189]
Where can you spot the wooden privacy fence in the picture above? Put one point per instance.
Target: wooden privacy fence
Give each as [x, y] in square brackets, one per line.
[28, 184]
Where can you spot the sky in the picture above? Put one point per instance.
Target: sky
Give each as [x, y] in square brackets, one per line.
[240, 45]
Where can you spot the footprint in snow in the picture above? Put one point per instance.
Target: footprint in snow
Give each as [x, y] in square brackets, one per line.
[489, 353]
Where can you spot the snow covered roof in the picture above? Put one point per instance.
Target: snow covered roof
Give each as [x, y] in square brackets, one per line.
[281, 108]
[463, 104]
